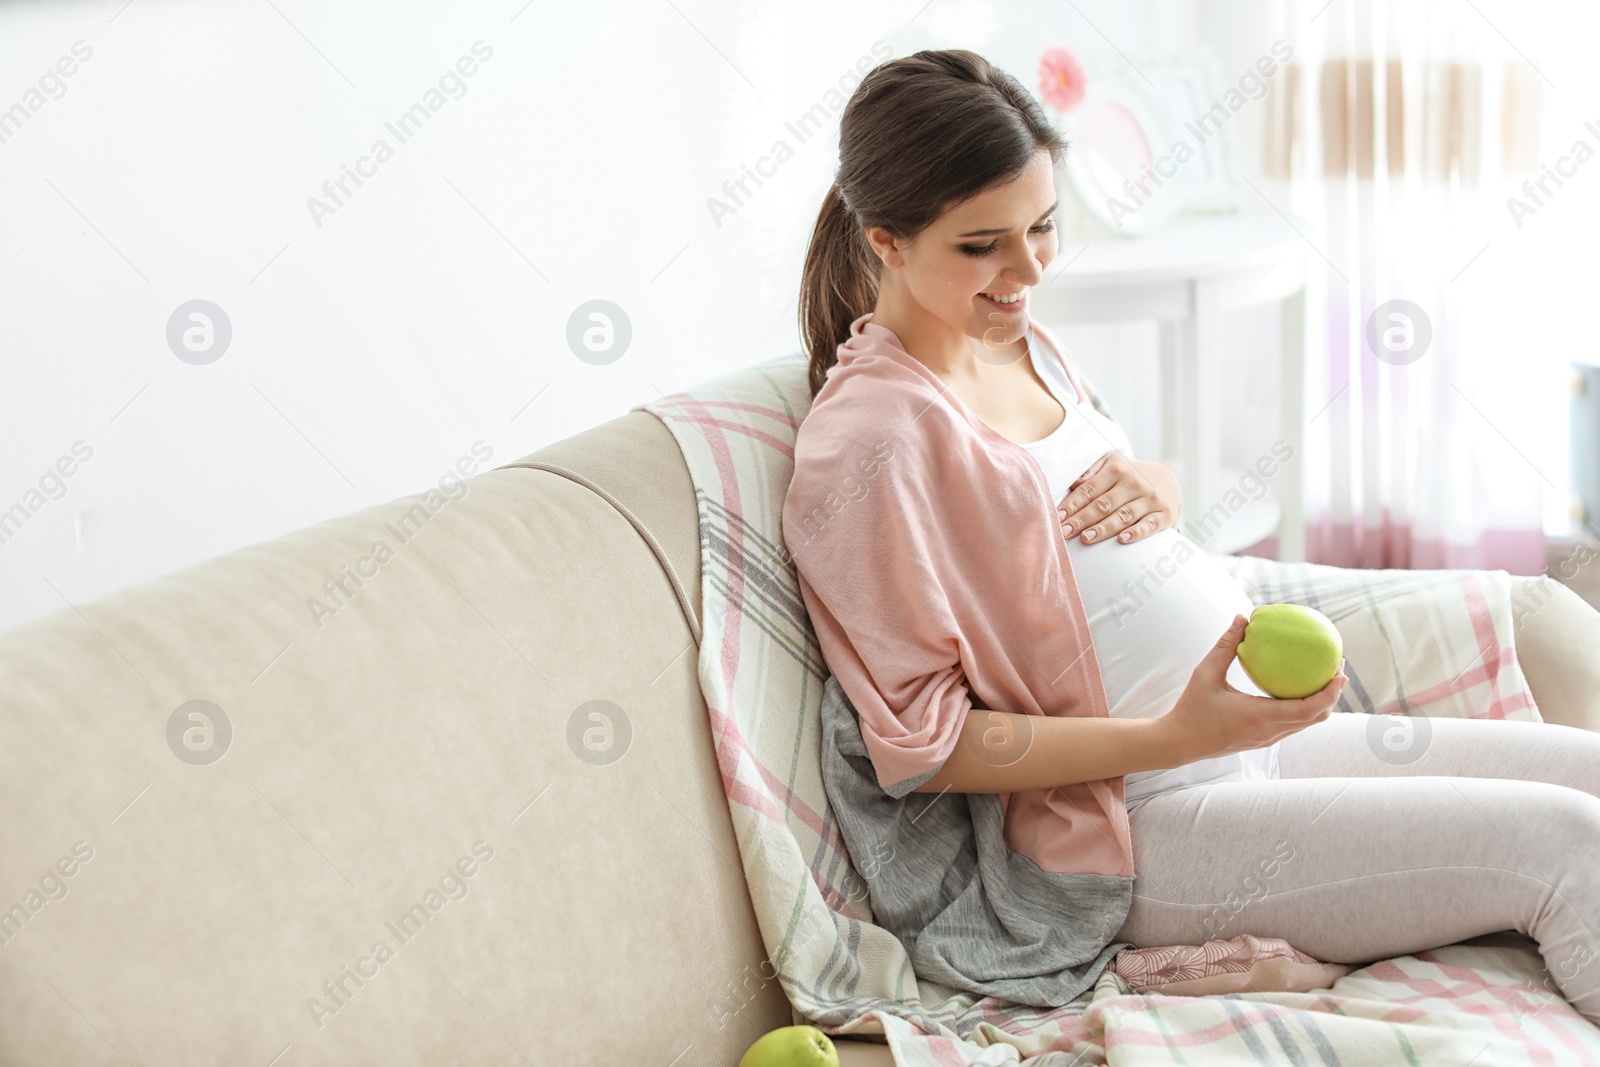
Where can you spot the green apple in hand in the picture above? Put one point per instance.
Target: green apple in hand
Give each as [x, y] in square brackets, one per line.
[792, 1046]
[1290, 650]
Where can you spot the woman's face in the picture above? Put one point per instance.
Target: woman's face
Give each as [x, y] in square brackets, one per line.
[996, 244]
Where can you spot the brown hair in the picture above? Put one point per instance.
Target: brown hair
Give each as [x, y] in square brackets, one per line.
[919, 135]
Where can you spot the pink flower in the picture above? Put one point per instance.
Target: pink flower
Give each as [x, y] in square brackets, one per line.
[1061, 80]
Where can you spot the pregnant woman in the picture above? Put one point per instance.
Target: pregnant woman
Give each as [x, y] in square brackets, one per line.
[1002, 597]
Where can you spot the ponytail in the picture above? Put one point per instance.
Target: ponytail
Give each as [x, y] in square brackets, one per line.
[838, 285]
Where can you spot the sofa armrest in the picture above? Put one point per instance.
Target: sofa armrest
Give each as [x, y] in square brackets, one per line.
[410, 841]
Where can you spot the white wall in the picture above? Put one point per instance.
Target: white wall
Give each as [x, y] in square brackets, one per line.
[373, 347]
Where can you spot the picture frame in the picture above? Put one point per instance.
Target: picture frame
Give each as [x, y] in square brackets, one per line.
[1115, 135]
[1211, 181]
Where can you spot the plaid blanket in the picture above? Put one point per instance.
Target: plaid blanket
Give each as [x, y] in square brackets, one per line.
[1435, 643]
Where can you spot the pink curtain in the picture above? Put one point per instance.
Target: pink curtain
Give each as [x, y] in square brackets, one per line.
[1392, 135]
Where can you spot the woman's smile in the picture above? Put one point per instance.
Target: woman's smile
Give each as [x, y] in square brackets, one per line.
[1016, 300]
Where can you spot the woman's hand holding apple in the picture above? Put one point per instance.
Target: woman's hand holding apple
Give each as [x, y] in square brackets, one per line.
[1212, 718]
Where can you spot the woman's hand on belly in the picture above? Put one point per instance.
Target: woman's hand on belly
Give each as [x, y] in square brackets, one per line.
[1122, 497]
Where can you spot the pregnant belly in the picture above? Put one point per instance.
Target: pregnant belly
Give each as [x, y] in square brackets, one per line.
[1155, 607]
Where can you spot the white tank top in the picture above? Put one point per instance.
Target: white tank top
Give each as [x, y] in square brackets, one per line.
[1156, 606]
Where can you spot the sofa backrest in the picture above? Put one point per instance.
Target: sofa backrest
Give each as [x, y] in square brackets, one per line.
[420, 785]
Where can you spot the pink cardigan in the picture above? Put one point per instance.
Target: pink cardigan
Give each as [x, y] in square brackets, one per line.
[931, 561]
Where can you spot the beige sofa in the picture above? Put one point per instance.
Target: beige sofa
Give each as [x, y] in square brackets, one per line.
[407, 764]
[400, 746]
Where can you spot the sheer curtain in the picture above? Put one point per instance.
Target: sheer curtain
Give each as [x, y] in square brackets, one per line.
[1392, 138]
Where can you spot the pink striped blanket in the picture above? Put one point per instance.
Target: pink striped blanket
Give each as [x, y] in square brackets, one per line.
[1435, 643]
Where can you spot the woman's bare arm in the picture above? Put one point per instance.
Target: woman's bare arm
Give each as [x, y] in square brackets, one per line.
[1002, 752]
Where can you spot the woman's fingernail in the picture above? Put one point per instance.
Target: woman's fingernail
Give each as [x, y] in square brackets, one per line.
[1067, 529]
[1089, 536]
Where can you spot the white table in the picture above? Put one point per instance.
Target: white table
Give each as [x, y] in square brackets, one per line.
[1184, 277]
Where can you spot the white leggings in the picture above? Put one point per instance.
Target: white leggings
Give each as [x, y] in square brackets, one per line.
[1383, 837]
